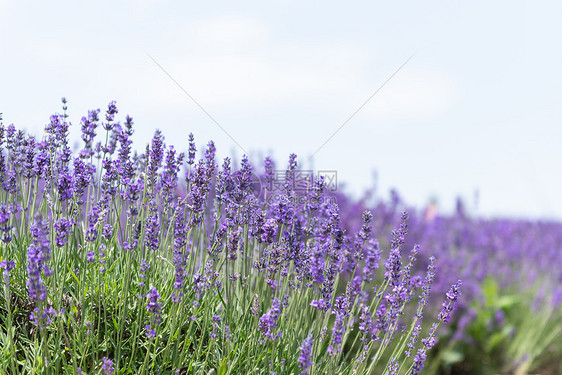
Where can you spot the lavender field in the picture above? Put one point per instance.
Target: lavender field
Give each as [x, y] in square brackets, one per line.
[170, 261]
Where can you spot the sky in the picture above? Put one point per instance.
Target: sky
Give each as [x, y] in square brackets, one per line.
[475, 112]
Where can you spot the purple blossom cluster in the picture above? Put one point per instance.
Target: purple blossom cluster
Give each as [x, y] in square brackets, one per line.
[107, 366]
[154, 308]
[5, 227]
[38, 256]
[269, 321]
[305, 358]
[6, 267]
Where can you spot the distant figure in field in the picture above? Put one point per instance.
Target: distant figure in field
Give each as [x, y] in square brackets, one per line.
[430, 211]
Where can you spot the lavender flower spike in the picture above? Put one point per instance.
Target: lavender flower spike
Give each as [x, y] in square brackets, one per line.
[305, 359]
[155, 309]
[450, 303]
[107, 366]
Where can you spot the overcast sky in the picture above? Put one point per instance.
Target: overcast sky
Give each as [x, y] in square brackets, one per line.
[477, 108]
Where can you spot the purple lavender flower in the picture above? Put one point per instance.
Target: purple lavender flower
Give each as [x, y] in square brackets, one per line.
[268, 231]
[42, 317]
[124, 164]
[394, 263]
[365, 325]
[199, 182]
[232, 246]
[11, 140]
[255, 309]
[5, 227]
[57, 138]
[179, 254]
[110, 114]
[9, 183]
[2, 157]
[132, 192]
[102, 257]
[413, 339]
[393, 367]
[107, 232]
[93, 218]
[284, 210]
[29, 156]
[83, 173]
[227, 334]
[155, 309]
[382, 322]
[128, 125]
[144, 267]
[62, 231]
[152, 233]
[192, 150]
[6, 267]
[225, 183]
[305, 358]
[210, 165]
[450, 303]
[365, 232]
[419, 360]
[131, 244]
[156, 154]
[243, 178]
[38, 256]
[18, 156]
[170, 175]
[268, 321]
[107, 366]
[206, 279]
[65, 186]
[352, 290]
[42, 163]
[426, 287]
[109, 178]
[269, 173]
[430, 341]
[314, 194]
[89, 125]
[290, 175]
[214, 333]
[337, 333]
[372, 258]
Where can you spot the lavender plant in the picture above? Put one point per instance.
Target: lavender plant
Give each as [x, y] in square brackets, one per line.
[116, 262]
